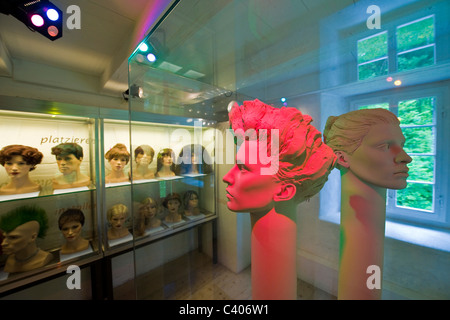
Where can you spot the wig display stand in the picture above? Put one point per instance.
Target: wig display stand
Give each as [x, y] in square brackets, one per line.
[175, 224]
[117, 184]
[115, 242]
[19, 196]
[195, 217]
[69, 256]
[155, 230]
[363, 216]
[273, 250]
[144, 181]
[70, 190]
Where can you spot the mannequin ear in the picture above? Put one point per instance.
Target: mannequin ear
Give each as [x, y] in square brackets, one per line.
[342, 158]
[33, 237]
[285, 192]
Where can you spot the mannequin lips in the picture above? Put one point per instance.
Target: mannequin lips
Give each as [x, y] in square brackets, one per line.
[6, 250]
[229, 195]
[402, 172]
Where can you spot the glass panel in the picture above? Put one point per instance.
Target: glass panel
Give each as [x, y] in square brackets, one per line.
[416, 195]
[417, 111]
[421, 168]
[215, 52]
[372, 48]
[377, 105]
[49, 175]
[416, 34]
[419, 139]
[373, 69]
[416, 59]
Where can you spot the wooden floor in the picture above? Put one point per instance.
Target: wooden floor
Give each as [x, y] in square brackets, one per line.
[194, 277]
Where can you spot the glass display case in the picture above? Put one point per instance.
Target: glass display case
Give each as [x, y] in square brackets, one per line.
[48, 195]
[155, 167]
[167, 195]
[324, 58]
[103, 200]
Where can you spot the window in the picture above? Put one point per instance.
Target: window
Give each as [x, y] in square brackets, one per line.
[415, 48]
[424, 124]
[418, 126]
[373, 56]
[415, 44]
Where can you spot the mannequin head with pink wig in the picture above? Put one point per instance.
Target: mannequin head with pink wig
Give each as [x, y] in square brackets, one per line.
[286, 138]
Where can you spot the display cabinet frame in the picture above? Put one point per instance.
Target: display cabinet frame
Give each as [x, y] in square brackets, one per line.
[99, 262]
[44, 114]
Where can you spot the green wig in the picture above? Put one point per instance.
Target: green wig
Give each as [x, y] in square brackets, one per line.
[18, 216]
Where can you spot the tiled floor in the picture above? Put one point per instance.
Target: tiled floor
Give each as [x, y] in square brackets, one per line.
[194, 277]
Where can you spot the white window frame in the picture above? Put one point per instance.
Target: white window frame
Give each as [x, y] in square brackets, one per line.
[392, 47]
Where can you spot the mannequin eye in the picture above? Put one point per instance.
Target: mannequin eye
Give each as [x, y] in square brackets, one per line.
[242, 167]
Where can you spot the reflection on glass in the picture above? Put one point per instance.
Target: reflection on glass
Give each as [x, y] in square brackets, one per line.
[372, 56]
[416, 195]
[421, 169]
[416, 111]
[415, 44]
[377, 105]
[419, 140]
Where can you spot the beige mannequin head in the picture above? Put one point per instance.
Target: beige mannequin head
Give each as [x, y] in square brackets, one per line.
[20, 238]
[369, 143]
[21, 227]
[68, 157]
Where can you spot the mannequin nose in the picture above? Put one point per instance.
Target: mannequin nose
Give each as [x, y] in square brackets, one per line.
[403, 157]
[229, 177]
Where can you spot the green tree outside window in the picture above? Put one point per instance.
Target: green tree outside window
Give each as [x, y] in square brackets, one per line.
[418, 126]
[415, 48]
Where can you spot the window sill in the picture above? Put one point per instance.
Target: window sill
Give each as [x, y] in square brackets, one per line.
[420, 236]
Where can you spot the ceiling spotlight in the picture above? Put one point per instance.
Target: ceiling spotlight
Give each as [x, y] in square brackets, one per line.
[143, 47]
[38, 15]
[52, 14]
[37, 20]
[151, 57]
[134, 91]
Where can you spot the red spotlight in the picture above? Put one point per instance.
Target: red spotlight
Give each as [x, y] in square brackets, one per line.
[41, 16]
[53, 31]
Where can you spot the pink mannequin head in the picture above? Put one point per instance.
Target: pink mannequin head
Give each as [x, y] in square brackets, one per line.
[286, 137]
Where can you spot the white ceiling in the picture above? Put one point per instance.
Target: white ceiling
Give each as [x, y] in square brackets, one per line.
[95, 55]
[257, 48]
